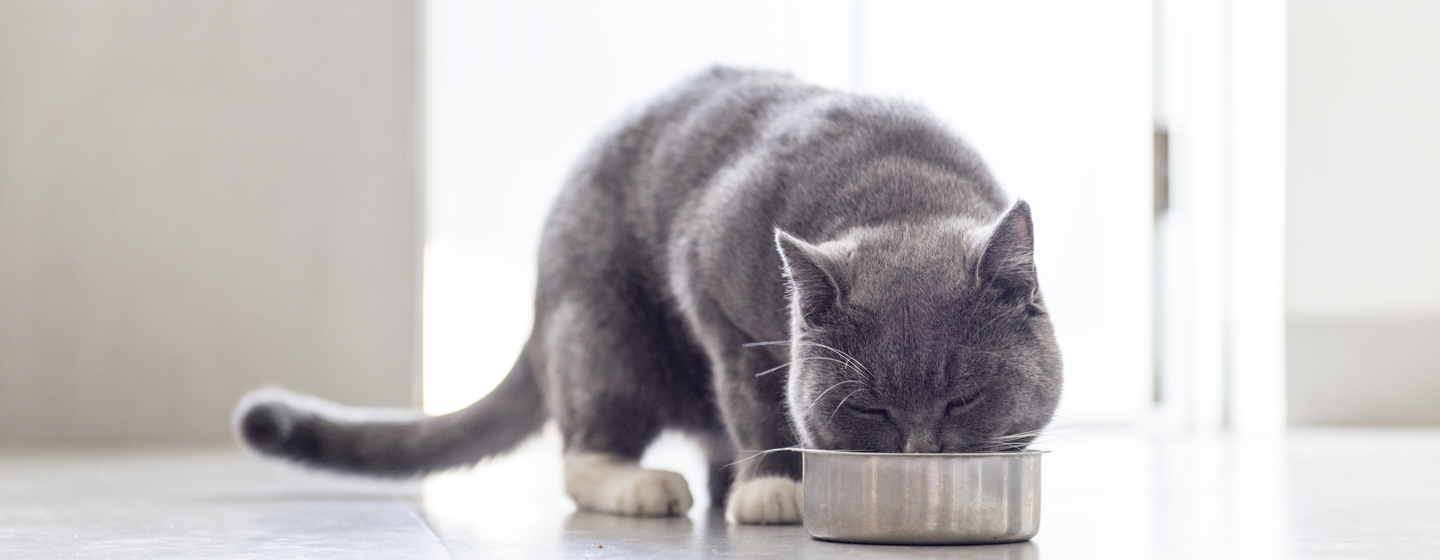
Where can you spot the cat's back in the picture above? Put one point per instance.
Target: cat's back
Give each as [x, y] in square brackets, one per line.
[679, 142]
[664, 156]
[638, 175]
[746, 150]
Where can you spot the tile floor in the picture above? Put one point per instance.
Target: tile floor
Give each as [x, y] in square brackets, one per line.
[1107, 494]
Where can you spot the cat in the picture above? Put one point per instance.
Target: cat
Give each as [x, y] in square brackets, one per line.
[764, 265]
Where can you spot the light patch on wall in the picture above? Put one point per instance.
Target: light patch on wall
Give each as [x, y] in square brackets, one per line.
[467, 351]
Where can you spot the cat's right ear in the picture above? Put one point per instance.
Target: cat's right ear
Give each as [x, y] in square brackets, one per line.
[815, 290]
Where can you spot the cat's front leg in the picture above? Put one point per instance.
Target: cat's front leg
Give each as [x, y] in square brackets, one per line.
[609, 483]
[766, 500]
[767, 488]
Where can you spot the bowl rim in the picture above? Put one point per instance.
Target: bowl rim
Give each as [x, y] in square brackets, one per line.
[1025, 453]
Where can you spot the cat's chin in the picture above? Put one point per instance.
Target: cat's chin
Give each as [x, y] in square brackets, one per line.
[768, 500]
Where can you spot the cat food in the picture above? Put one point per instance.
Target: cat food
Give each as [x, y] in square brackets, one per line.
[922, 498]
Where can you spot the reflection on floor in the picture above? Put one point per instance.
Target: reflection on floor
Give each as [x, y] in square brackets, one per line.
[1107, 494]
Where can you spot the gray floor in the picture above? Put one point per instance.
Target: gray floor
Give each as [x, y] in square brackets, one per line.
[1107, 494]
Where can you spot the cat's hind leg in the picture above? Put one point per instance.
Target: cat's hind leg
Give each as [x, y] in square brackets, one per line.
[616, 384]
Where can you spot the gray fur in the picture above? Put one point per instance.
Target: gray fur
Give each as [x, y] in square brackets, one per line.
[742, 222]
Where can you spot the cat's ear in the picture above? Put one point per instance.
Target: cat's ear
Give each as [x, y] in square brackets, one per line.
[810, 274]
[1008, 263]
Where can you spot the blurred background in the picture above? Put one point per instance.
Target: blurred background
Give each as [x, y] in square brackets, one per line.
[1233, 199]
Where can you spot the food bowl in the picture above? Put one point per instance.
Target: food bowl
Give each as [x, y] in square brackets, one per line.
[922, 498]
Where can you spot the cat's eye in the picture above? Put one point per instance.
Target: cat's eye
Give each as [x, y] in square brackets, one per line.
[960, 405]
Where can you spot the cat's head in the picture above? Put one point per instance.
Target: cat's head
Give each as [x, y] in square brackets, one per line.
[920, 338]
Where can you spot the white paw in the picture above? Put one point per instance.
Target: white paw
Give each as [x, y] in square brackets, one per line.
[770, 500]
[603, 483]
[648, 492]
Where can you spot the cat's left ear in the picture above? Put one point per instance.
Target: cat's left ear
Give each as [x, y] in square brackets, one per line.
[1008, 263]
[815, 289]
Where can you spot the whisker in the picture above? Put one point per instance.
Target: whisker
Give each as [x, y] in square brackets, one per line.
[847, 365]
[841, 362]
[1014, 442]
[1037, 431]
[837, 351]
[822, 393]
[1018, 435]
[843, 354]
[762, 453]
[1002, 448]
[842, 403]
[850, 361]
[803, 360]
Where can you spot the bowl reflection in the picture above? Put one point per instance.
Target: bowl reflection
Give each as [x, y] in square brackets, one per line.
[919, 498]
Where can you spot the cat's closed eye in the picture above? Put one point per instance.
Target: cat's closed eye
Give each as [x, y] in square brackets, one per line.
[962, 404]
[871, 411]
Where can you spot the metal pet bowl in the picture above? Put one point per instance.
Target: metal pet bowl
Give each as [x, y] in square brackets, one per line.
[922, 498]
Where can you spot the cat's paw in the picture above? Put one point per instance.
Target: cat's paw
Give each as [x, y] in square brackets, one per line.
[649, 493]
[770, 500]
[605, 484]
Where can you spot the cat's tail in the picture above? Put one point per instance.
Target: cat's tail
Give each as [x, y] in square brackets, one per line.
[392, 443]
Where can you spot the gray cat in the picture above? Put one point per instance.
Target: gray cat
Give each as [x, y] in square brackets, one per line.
[759, 263]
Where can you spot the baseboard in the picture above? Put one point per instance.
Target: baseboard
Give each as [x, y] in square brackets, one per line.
[1363, 372]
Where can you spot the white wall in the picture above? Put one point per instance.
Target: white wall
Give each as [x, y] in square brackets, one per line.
[1363, 239]
[1364, 146]
[198, 198]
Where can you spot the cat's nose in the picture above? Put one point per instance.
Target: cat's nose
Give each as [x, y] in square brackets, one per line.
[921, 445]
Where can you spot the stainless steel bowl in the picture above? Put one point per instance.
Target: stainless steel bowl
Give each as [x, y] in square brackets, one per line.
[922, 498]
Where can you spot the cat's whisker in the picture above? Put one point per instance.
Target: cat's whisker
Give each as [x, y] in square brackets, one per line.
[842, 403]
[1049, 437]
[1002, 448]
[842, 353]
[822, 393]
[800, 360]
[762, 453]
[1017, 441]
[862, 368]
[1018, 435]
[843, 363]
[773, 369]
[850, 361]
[1045, 431]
